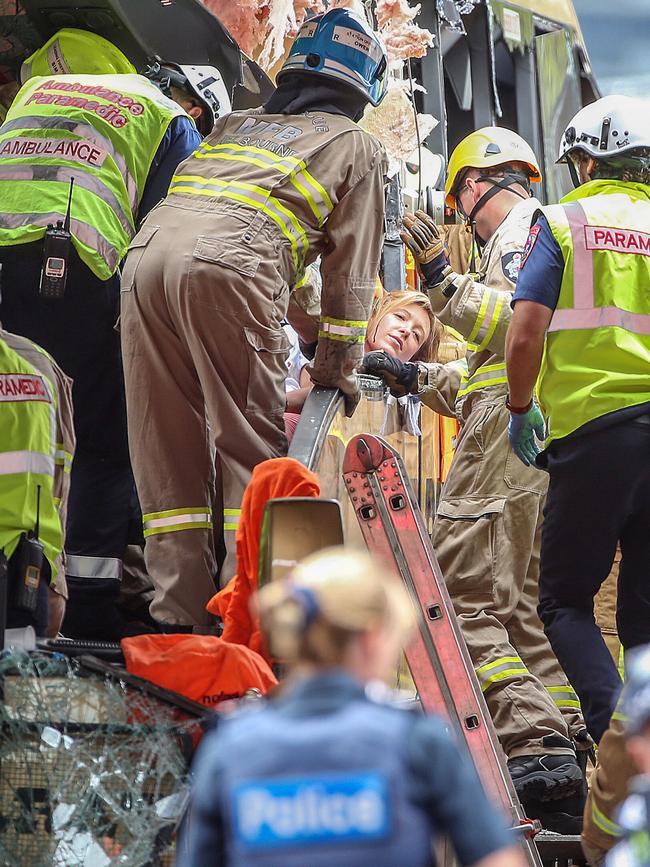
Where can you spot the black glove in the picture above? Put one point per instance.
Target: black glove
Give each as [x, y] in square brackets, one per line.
[420, 234]
[401, 377]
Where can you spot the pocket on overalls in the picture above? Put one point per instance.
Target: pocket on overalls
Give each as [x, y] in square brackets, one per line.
[519, 477]
[134, 254]
[267, 351]
[221, 274]
[466, 538]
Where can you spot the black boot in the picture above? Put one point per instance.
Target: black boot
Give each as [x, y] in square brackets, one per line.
[560, 822]
[546, 778]
[92, 612]
[563, 816]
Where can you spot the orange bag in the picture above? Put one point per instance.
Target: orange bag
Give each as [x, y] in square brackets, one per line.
[278, 477]
[204, 668]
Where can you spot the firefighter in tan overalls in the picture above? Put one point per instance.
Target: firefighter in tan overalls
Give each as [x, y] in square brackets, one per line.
[487, 529]
[206, 287]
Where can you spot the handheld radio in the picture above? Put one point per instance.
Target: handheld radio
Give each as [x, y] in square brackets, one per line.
[27, 565]
[56, 249]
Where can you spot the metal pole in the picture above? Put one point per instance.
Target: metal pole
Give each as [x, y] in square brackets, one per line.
[433, 79]
[393, 256]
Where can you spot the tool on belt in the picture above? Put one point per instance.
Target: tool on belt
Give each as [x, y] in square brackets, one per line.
[26, 566]
[56, 249]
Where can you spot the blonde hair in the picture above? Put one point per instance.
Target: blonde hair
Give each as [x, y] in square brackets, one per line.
[331, 598]
[391, 301]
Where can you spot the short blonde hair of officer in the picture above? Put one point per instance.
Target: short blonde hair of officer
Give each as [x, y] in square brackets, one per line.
[353, 593]
[76, 52]
[391, 301]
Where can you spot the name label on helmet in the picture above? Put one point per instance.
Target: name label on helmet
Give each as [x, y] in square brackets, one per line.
[333, 808]
[617, 240]
[76, 150]
[56, 60]
[307, 30]
[352, 38]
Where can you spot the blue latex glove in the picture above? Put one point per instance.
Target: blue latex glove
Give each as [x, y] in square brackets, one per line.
[523, 429]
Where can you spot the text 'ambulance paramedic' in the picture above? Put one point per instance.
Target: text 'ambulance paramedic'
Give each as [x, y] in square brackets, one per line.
[581, 330]
[327, 771]
[206, 288]
[488, 524]
[84, 115]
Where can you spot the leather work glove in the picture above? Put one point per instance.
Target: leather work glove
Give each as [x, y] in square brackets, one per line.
[347, 383]
[400, 377]
[523, 429]
[420, 234]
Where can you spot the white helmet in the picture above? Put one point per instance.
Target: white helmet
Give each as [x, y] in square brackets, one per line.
[610, 126]
[205, 82]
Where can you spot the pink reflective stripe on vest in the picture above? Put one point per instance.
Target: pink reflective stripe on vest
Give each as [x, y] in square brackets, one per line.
[584, 314]
[583, 260]
[600, 317]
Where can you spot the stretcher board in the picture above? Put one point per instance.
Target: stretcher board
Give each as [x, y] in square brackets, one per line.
[292, 529]
[393, 529]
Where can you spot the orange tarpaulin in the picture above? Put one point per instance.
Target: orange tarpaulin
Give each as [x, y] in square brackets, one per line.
[279, 477]
[202, 667]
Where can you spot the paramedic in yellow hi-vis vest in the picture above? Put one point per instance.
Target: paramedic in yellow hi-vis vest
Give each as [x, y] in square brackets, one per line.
[487, 529]
[581, 330]
[36, 450]
[83, 114]
[206, 287]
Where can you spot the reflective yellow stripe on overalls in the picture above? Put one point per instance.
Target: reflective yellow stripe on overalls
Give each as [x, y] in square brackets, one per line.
[486, 376]
[487, 319]
[258, 197]
[175, 520]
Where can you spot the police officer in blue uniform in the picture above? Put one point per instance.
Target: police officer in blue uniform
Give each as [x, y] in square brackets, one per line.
[327, 772]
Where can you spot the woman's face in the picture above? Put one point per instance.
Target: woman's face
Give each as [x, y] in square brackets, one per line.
[401, 332]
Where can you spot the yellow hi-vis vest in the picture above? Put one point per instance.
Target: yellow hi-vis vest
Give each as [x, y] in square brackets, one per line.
[597, 354]
[27, 456]
[101, 130]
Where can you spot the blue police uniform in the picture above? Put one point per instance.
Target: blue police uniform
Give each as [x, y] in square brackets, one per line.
[325, 775]
[603, 461]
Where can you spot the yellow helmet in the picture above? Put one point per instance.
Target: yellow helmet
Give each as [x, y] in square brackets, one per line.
[485, 148]
[72, 51]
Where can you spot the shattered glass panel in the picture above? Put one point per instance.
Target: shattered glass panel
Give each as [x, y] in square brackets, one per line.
[92, 772]
[451, 10]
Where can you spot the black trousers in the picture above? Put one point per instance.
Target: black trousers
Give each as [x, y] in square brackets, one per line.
[599, 495]
[79, 332]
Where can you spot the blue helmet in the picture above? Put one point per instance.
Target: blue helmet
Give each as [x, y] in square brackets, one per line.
[341, 46]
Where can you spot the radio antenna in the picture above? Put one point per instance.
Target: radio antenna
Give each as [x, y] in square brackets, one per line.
[38, 512]
[66, 223]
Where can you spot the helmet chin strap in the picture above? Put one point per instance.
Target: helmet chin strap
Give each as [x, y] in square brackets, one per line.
[498, 184]
[573, 171]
